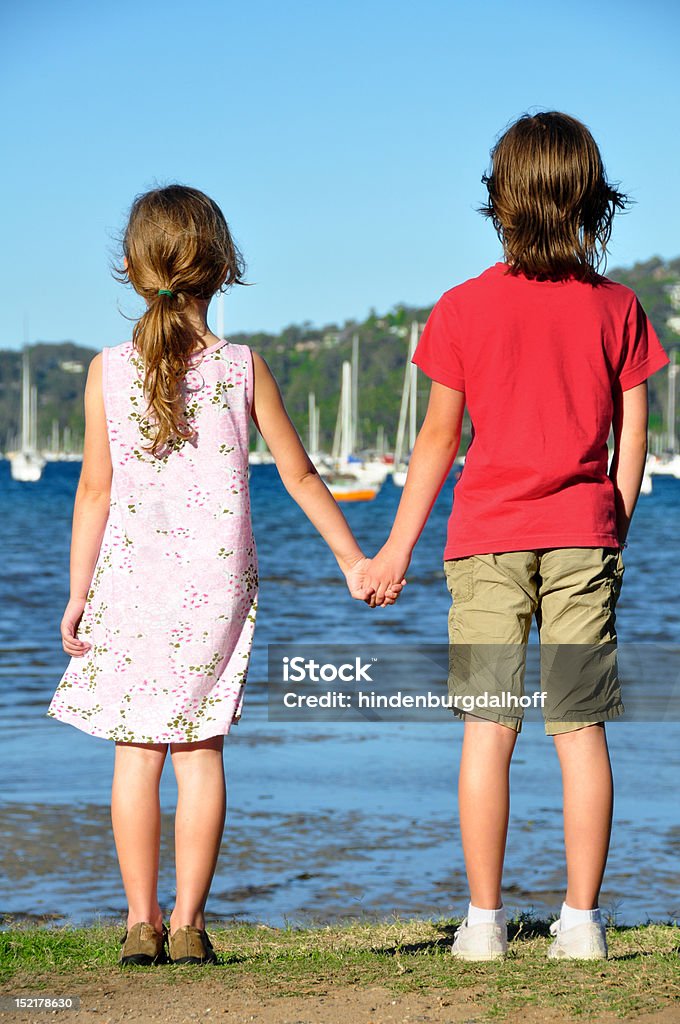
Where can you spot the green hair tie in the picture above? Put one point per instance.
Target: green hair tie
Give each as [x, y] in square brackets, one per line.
[165, 291]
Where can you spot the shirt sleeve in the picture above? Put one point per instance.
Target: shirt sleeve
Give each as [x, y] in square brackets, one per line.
[438, 353]
[643, 353]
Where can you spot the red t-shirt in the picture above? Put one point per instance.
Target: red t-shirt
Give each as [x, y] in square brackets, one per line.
[540, 363]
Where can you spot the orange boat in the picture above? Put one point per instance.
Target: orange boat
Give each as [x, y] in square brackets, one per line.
[348, 488]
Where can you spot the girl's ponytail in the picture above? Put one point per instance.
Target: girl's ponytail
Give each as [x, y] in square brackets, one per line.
[164, 339]
[177, 247]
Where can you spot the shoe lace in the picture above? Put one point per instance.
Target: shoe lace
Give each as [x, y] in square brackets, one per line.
[460, 928]
[555, 927]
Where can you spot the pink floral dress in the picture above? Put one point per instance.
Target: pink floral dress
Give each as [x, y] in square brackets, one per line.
[171, 610]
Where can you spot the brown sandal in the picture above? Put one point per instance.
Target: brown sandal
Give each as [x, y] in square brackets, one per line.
[189, 945]
[142, 944]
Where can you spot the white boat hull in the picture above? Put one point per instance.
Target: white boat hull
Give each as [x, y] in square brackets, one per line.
[372, 473]
[664, 466]
[26, 467]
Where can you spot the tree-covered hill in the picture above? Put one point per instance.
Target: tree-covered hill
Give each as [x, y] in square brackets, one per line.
[308, 358]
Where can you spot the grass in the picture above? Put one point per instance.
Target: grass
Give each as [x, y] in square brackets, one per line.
[642, 974]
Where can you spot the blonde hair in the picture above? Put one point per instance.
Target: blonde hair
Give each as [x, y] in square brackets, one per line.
[176, 240]
[549, 199]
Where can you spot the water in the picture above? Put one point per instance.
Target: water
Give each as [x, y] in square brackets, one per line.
[325, 821]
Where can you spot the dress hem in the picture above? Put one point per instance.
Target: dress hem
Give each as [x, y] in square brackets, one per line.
[80, 724]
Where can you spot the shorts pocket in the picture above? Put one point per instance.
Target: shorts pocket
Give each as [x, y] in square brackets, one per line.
[619, 570]
[459, 579]
[614, 571]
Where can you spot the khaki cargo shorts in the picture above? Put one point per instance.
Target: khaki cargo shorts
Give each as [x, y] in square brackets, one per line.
[573, 593]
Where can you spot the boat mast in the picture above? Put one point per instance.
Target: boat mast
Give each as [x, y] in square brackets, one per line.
[25, 402]
[34, 419]
[403, 409]
[335, 450]
[354, 439]
[313, 427]
[673, 368]
[413, 387]
[346, 404]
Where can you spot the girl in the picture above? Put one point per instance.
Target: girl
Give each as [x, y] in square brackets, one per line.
[547, 355]
[159, 624]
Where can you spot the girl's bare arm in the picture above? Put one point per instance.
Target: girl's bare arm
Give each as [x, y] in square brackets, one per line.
[435, 449]
[91, 508]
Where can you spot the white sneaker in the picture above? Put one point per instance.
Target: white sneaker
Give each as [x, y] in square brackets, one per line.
[586, 941]
[480, 942]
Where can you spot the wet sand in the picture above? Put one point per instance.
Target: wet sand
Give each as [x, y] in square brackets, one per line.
[59, 864]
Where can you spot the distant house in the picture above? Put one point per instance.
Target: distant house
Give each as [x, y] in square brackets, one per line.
[71, 366]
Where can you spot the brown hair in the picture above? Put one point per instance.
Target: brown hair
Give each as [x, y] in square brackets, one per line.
[549, 199]
[176, 239]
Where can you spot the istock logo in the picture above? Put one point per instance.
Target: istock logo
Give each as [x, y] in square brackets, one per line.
[297, 670]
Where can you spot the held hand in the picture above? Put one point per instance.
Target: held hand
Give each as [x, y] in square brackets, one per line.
[387, 574]
[356, 577]
[69, 627]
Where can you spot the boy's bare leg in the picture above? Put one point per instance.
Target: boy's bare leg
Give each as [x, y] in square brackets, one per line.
[136, 820]
[484, 806]
[199, 825]
[588, 803]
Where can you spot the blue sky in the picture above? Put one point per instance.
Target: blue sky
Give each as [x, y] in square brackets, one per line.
[345, 142]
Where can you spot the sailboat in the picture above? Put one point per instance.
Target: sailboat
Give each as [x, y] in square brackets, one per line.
[668, 462]
[313, 435]
[27, 464]
[371, 468]
[346, 482]
[408, 409]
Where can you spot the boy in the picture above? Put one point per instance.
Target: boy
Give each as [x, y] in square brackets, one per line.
[548, 356]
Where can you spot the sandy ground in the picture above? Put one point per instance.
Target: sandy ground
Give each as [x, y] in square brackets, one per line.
[108, 998]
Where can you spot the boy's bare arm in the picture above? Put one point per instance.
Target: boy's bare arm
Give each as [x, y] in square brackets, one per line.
[630, 452]
[435, 449]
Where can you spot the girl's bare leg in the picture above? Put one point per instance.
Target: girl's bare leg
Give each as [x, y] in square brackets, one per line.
[199, 825]
[484, 807]
[136, 820]
[588, 804]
